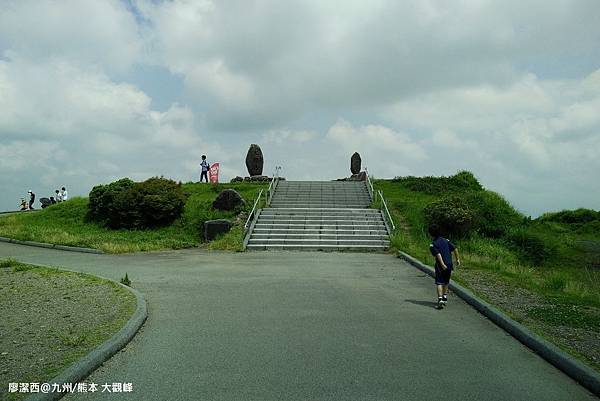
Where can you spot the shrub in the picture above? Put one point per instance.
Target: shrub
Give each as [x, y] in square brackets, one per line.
[556, 281]
[465, 180]
[530, 244]
[125, 280]
[8, 262]
[102, 198]
[461, 181]
[452, 214]
[494, 216]
[579, 216]
[152, 203]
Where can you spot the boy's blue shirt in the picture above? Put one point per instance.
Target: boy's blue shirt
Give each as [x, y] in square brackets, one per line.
[445, 248]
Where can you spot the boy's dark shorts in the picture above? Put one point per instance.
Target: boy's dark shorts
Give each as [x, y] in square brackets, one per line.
[442, 277]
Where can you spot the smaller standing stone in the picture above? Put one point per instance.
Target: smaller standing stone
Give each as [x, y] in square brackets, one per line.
[355, 162]
[213, 228]
[228, 199]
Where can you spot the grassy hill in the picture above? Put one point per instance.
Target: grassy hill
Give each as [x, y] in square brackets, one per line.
[544, 272]
[65, 224]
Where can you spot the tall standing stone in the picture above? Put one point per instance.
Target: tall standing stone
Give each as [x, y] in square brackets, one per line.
[254, 160]
[355, 163]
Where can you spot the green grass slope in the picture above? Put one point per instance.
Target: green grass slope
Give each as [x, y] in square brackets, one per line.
[544, 272]
[65, 224]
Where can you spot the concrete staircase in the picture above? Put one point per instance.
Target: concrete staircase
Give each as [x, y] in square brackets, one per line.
[320, 215]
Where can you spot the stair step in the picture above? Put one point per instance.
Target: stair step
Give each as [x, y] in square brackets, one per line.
[381, 231]
[334, 237]
[321, 247]
[317, 212]
[311, 241]
[364, 225]
[313, 219]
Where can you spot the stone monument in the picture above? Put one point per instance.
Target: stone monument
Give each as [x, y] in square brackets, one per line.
[254, 160]
[355, 163]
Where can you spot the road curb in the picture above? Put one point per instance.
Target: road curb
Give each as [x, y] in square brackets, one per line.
[51, 246]
[19, 211]
[577, 370]
[82, 368]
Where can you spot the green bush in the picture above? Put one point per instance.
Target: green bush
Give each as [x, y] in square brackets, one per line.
[102, 198]
[8, 262]
[462, 181]
[531, 245]
[494, 216]
[125, 280]
[579, 216]
[452, 214]
[592, 227]
[152, 203]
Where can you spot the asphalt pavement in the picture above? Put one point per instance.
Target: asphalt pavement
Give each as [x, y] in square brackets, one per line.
[304, 326]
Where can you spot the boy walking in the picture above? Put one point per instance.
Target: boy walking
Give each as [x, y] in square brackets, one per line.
[205, 166]
[442, 249]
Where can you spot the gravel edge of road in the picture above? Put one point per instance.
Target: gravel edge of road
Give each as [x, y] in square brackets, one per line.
[577, 370]
[103, 352]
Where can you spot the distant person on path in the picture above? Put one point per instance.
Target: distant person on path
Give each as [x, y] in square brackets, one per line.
[442, 249]
[23, 204]
[205, 167]
[64, 194]
[31, 199]
[58, 196]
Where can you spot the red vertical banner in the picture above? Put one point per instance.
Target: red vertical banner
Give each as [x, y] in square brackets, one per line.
[213, 173]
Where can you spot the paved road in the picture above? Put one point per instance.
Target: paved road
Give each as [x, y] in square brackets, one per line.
[305, 326]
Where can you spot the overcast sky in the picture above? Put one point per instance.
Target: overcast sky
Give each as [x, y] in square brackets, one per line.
[95, 90]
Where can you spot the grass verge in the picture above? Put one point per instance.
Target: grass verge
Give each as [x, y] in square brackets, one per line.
[64, 224]
[557, 296]
[51, 318]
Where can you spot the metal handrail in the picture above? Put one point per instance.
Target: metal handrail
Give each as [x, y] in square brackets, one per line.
[251, 215]
[387, 212]
[273, 185]
[369, 185]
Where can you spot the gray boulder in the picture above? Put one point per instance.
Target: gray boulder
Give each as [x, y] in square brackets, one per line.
[355, 163]
[254, 160]
[228, 199]
[213, 228]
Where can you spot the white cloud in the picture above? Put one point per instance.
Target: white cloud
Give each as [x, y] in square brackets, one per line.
[422, 87]
[533, 140]
[289, 136]
[374, 140]
[102, 33]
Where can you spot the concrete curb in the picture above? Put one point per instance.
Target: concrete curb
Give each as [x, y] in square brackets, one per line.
[19, 211]
[82, 368]
[577, 370]
[51, 246]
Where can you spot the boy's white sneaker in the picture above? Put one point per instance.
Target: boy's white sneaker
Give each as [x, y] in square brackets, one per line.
[440, 303]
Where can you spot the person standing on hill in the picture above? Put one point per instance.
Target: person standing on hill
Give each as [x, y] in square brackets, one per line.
[63, 194]
[442, 249]
[205, 167]
[58, 196]
[31, 199]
